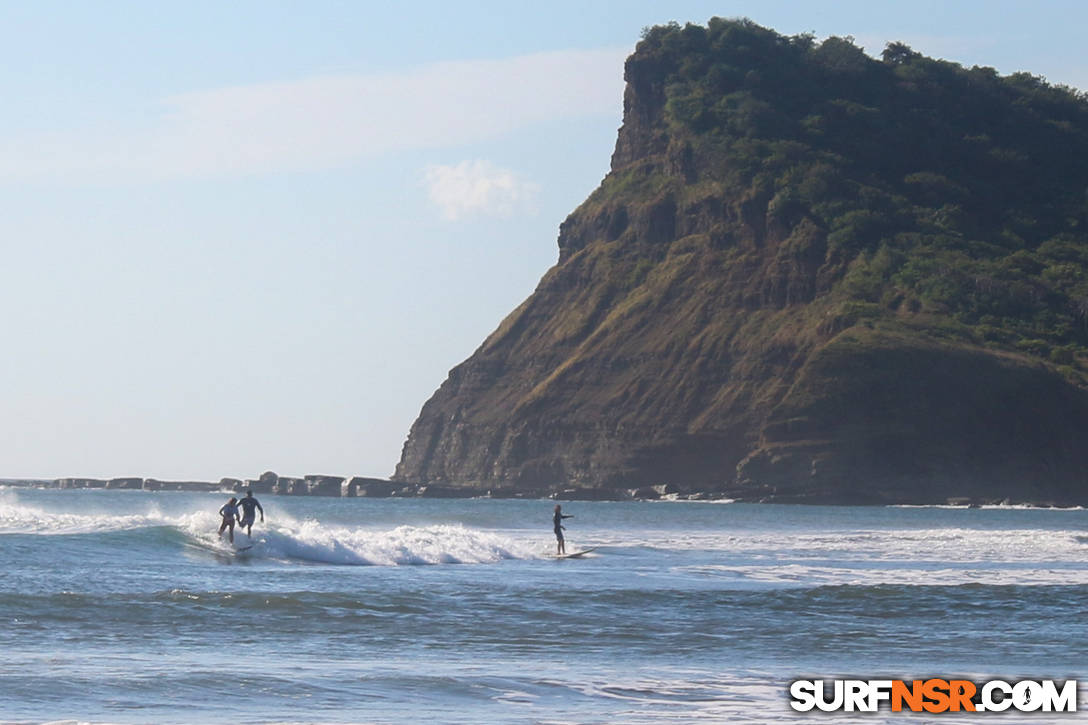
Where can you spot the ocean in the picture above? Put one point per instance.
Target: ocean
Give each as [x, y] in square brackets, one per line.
[124, 607]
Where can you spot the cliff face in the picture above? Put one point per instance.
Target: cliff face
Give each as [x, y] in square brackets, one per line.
[808, 276]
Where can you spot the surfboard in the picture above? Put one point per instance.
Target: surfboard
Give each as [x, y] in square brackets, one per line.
[576, 554]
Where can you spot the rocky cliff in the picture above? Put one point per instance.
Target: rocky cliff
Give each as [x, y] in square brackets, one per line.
[811, 276]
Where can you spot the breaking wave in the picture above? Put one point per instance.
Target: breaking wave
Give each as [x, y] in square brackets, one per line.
[286, 539]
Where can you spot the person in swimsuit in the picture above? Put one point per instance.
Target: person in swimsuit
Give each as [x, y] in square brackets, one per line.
[248, 504]
[229, 512]
[560, 545]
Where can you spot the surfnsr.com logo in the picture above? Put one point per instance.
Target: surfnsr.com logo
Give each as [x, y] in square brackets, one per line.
[933, 695]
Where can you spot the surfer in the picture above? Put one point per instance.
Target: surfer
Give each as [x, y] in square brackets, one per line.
[229, 512]
[248, 504]
[560, 547]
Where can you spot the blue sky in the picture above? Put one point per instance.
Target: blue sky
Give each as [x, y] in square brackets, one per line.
[256, 235]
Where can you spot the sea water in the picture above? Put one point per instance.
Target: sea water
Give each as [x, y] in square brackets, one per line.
[125, 607]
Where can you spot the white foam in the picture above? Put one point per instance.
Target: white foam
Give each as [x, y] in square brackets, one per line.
[677, 498]
[989, 506]
[403, 545]
[919, 556]
[952, 543]
[18, 517]
[786, 574]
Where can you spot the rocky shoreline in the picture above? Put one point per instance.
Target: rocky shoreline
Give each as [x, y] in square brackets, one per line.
[270, 483]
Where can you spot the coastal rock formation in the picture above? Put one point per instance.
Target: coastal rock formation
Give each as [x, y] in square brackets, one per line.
[360, 486]
[152, 484]
[268, 483]
[81, 483]
[125, 483]
[809, 276]
[324, 485]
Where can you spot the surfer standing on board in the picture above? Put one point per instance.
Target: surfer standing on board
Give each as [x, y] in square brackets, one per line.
[560, 547]
[248, 504]
[229, 512]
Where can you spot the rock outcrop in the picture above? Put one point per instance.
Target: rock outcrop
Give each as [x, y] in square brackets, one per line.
[269, 483]
[809, 276]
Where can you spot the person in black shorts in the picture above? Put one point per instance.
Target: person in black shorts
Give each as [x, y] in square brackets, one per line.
[560, 545]
[248, 504]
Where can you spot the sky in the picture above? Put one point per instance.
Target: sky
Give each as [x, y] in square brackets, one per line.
[255, 236]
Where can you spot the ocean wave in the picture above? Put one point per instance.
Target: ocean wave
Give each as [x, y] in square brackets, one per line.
[315, 543]
[22, 518]
[950, 544]
[948, 554]
[677, 498]
[809, 575]
[287, 539]
[988, 506]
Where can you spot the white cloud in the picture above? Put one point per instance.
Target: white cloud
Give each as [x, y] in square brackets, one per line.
[328, 121]
[478, 188]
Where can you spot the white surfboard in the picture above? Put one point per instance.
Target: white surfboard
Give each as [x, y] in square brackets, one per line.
[576, 554]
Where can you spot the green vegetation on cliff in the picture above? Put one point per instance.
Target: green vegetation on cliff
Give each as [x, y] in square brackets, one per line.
[942, 191]
[810, 275]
